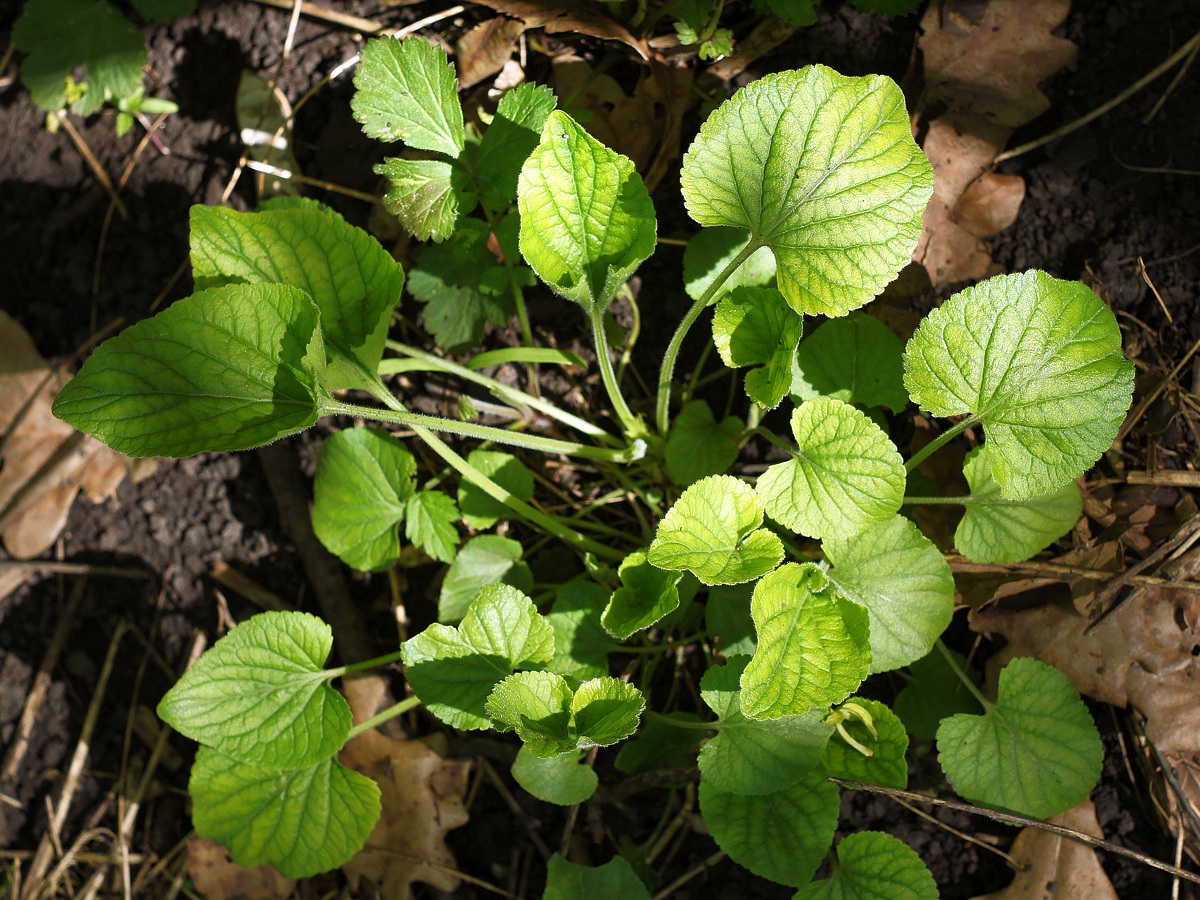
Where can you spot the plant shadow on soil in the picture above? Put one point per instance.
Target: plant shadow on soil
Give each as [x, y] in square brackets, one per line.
[1084, 214]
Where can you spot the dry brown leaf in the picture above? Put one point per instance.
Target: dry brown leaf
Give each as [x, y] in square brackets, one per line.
[1055, 867]
[983, 63]
[567, 17]
[422, 798]
[1140, 655]
[45, 461]
[217, 877]
[483, 51]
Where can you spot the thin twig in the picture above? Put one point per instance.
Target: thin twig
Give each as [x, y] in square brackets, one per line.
[691, 873]
[94, 164]
[1081, 837]
[511, 802]
[1099, 111]
[345, 20]
[1144, 404]
[1187, 64]
[1063, 572]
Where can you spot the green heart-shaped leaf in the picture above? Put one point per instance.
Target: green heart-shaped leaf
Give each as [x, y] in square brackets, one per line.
[872, 865]
[755, 327]
[886, 740]
[571, 881]
[647, 593]
[858, 360]
[563, 780]
[698, 445]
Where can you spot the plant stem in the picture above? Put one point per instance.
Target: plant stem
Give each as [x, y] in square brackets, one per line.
[664, 646]
[959, 501]
[510, 395]
[378, 661]
[387, 715]
[486, 433]
[676, 723]
[667, 372]
[938, 442]
[634, 427]
[501, 495]
[962, 676]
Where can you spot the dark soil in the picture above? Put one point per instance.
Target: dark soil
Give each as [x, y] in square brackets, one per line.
[1087, 214]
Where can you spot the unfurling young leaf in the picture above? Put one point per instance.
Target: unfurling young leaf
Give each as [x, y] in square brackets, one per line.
[845, 476]
[453, 670]
[563, 780]
[823, 170]
[552, 719]
[483, 560]
[261, 694]
[698, 445]
[857, 359]
[586, 219]
[997, 530]
[713, 532]
[904, 583]
[646, 595]
[352, 279]
[424, 194]
[406, 91]
[885, 739]
[301, 821]
[710, 250]
[756, 756]
[872, 865]
[365, 479]
[1038, 362]
[755, 327]
[1035, 751]
[510, 138]
[169, 385]
[813, 644]
[571, 881]
[480, 510]
[783, 835]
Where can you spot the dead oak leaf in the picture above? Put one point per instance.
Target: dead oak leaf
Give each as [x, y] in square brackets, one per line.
[421, 793]
[983, 64]
[483, 51]
[1056, 867]
[566, 17]
[45, 461]
[217, 877]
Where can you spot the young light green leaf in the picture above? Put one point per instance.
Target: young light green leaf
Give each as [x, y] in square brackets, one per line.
[713, 532]
[1035, 752]
[352, 279]
[756, 327]
[586, 218]
[904, 583]
[365, 478]
[453, 670]
[886, 739]
[514, 133]
[822, 169]
[858, 360]
[581, 645]
[571, 881]
[563, 780]
[872, 865]
[169, 385]
[660, 744]
[727, 619]
[551, 719]
[934, 692]
[752, 756]
[698, 445]
[479, 510]
[710, 250]
[997, 530]
[782, 836]
[845, 476]
[646, 594]
[463, 286]
[813, 644]
[59, 35]
[429, 518]
[483, 560]
[1037, 361]
[261, 695]
[424, 194]
[406, 91]
[301, 821]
